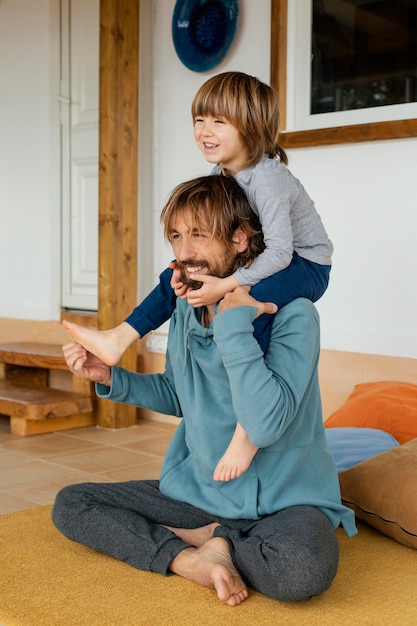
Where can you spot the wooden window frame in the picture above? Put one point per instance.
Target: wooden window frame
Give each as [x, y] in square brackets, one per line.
[375, 131]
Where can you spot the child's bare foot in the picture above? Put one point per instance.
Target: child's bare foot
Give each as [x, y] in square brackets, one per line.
[229, 467]
[237, 458]
[108, 345]
[211, 566]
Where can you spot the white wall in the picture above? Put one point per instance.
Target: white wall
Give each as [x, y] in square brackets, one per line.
[365, 193]
[29, 206]
[367, 196]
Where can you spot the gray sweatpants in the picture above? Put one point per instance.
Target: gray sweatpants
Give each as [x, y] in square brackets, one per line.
[289, 555]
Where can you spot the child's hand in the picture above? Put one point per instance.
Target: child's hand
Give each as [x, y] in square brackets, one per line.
[177, 285]
[213, 290]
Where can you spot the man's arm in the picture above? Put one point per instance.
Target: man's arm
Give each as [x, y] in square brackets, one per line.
[269, 392]
[151, 391]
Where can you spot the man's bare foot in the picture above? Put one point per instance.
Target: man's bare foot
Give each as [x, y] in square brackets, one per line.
[194, 536]
[237, 458]
[211, 566]
[108, 345]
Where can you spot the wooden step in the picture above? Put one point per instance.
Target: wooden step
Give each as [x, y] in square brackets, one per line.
[25, 428]
[40, 403]
[31, 354]
[26, 394]
[45, 356]
[25, 376]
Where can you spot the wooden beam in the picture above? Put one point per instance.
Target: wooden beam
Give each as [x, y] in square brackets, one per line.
[118, 184]
[355, 133]
[278, 71]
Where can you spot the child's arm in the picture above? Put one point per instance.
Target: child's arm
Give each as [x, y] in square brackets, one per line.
[272, 191]
[156, 308]
[212, 290]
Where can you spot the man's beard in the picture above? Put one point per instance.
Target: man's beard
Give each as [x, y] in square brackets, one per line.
[202, 265]
[192, 284]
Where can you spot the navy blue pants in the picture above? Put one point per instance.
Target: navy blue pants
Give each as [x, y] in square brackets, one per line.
[301, 279]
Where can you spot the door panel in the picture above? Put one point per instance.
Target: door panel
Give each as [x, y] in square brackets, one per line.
[79, 145]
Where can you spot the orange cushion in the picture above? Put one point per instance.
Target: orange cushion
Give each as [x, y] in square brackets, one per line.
[390, 406]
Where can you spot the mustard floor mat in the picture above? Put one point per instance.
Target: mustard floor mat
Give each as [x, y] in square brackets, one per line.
[46, 580]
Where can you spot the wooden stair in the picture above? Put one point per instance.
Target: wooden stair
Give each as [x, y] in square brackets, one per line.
[26, 396]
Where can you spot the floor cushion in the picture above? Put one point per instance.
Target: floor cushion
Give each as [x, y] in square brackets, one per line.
[351, 445]
[389, 405]
[382, 491]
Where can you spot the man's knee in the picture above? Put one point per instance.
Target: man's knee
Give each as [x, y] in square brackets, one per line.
[65, 508]
[308, 573]
[309, 578]
[302, 555]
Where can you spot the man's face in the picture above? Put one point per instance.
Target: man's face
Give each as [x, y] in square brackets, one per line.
[197, 252]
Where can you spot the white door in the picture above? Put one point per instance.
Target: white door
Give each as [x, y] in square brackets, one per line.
[79, 145]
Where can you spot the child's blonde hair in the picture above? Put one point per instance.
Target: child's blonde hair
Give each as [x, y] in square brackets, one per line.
[250, 105]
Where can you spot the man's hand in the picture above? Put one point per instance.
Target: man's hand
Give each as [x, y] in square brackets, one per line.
[241, 297]
[85, 364]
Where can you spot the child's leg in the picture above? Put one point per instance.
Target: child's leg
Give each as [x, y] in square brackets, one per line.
[301, 279]
[154, 310]
[237, 458]
[108, 345]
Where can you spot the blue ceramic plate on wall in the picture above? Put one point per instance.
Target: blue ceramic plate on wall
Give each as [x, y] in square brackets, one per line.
[203, 31]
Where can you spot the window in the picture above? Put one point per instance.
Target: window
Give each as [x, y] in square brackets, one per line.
[346, 70]
[363, 54]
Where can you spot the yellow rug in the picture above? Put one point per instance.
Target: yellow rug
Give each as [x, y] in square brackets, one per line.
[46, 580]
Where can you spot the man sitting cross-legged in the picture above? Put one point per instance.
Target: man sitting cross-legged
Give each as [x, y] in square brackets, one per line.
[272, 528]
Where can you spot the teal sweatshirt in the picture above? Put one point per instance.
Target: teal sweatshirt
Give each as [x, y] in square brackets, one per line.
[217, 375]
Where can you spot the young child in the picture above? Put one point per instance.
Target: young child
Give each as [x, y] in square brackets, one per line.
[236, 127]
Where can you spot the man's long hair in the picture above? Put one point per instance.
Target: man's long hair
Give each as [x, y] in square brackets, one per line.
[220, 204]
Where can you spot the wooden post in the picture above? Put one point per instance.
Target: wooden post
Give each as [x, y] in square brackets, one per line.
[278, 78]
[118, 184]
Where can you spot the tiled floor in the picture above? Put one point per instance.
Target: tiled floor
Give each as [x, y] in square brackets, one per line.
[33, 469]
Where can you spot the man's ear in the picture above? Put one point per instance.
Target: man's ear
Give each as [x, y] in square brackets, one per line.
[240, 240]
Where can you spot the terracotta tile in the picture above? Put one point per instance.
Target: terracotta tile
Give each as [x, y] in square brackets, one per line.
[9, 457]
[33, 472]
[11, 504]
[104, 459]
[33, 469]
[151, 446]
[105, 436]
[48, 445]
[145, 471]
[45, 492]
[155, 427]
